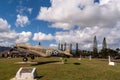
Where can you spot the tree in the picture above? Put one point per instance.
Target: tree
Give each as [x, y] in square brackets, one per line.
[70, 48]
[111, 52]
[58, 46]
[104, 44]
[65, 46]
[39, 44]
[62, 47]
[118, 53]
[117, 49]
[104, 51]
[77, 53]
[95, 48]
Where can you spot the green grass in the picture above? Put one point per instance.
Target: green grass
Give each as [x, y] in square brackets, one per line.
[72, 70]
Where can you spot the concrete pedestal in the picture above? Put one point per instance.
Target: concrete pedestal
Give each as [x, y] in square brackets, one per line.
[26, 73]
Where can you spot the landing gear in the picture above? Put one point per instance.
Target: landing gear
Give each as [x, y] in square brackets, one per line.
[25, 59]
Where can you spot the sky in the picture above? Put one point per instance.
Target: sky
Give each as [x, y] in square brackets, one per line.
[60, 21]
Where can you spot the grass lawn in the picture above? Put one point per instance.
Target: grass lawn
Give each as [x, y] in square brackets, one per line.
[72, 70]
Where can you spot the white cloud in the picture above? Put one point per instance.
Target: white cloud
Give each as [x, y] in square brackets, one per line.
[42, 37]
[4, 26]
[30, 10]
[23, 10]
[22, 20]
[23, 37]
[6, 34]
[9, 37]
[100, 19]
[76, 36]
[83, 13]
[85, 37]
[54, 45]
[13, 37]
[7, 44]
[65, 26]
[104, 1]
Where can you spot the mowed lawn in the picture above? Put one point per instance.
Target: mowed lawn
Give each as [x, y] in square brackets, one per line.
[74, 69]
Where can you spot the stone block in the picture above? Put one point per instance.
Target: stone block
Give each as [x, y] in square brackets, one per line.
[26, 73]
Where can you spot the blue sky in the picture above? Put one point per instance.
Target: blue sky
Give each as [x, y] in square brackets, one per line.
[59, 21]
[9, 9]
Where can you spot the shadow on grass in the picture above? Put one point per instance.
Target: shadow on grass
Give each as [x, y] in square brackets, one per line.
[46, 62]
[38, 77]
[76, 63]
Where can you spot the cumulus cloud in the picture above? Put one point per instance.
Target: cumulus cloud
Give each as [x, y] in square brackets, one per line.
[5, 32]
[85, 37]
[76, 36]
[100, 19]
[23, 37]
[83, 13]
[54, 45]
[4, 26]
[64, 26]
[9, 37]
[104, 1]
[42, 37]
[24, 10]
[30, 10]
[22, 20]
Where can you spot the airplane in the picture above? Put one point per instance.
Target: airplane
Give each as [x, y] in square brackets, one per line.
[41, 51]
